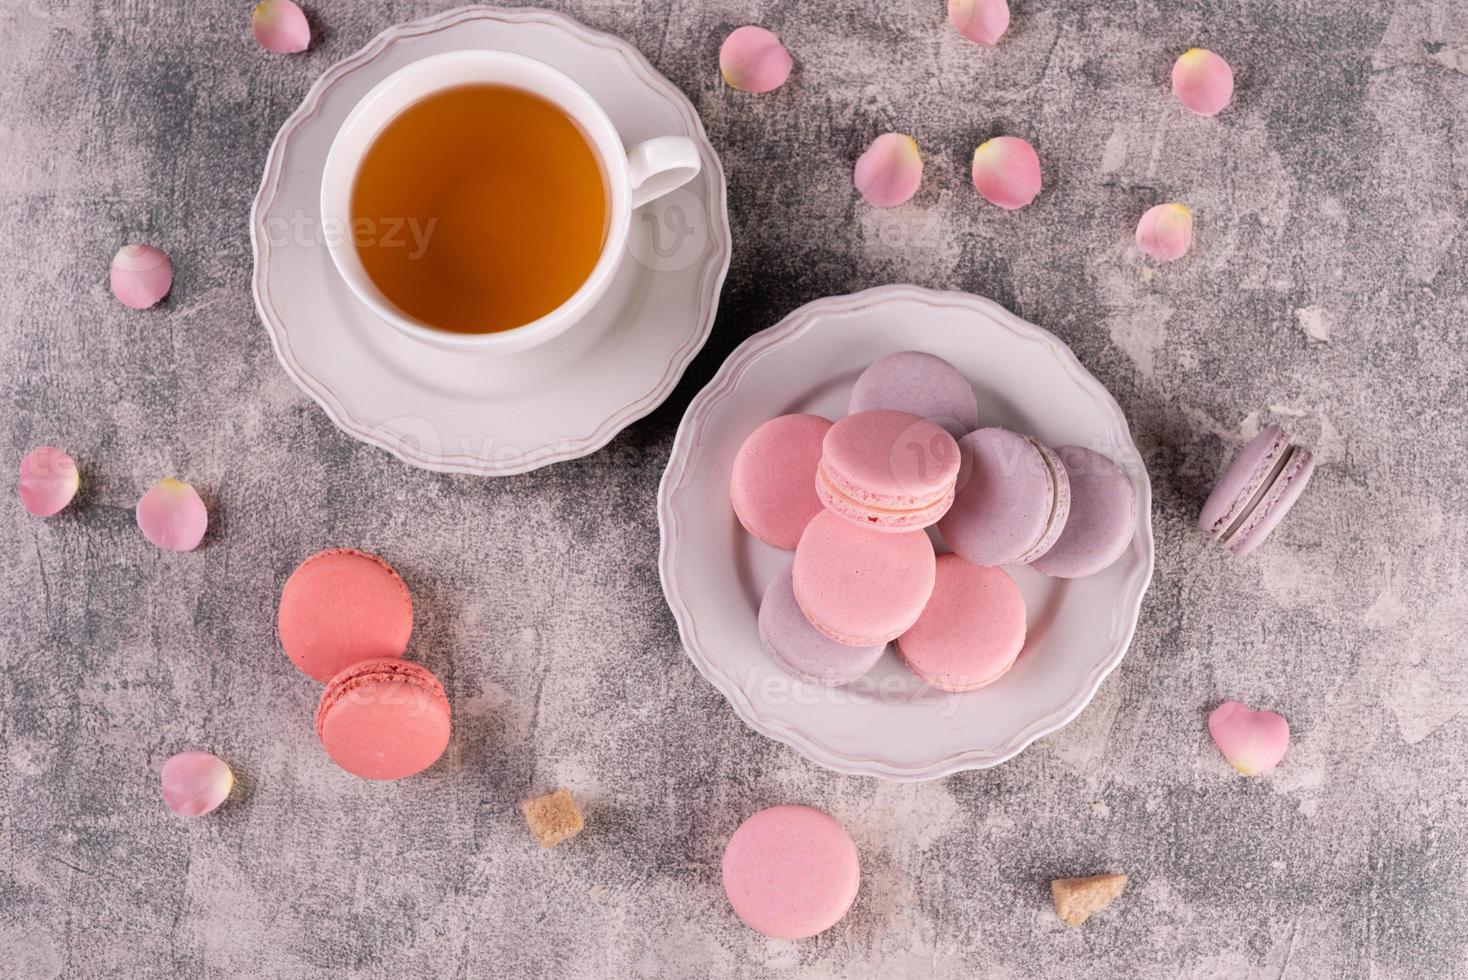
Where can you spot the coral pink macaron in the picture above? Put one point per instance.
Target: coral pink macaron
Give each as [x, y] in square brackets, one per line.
[773, 483]
[341, 606]
[888, 470]
[791, 871]
[384, 719]
[972, 629]
[861, 587]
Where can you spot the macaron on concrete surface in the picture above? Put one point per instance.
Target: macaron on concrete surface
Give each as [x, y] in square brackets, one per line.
[772, 486]
[920, 384]
[972, 629]
[342, 606]
[860, 587]
[1013, 501]
[888, 471]
[1103, 516]
[1257, 491]
[384, 719]
[799, 647]
[791, 871]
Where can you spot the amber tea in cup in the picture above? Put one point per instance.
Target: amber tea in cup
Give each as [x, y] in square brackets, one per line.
[479, 208]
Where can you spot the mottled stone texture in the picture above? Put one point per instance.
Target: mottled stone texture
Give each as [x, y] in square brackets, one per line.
[1327, 290]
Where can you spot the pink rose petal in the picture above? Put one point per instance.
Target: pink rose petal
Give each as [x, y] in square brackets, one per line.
[981, 21]
[1007, 172]
[753, 60]
[280, 26]
[1203, 81]
[1166, 231]
[141, 276]
[172, 516]
[1251, 741]
[195, 783]
[48, 481]
[889, 172]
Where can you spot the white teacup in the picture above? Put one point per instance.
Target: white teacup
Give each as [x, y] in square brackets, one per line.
[634, 177]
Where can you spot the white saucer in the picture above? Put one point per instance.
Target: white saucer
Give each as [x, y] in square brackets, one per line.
[890, 724]
[470, 412]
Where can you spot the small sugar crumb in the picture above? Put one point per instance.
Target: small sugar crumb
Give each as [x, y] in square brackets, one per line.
[1077, 898]
[553, 817]
[1314, 322]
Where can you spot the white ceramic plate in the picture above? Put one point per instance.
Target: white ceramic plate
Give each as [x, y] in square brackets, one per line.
[480, 412]
[889, 724]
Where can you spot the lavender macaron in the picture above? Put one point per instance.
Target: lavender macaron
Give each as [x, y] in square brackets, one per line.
[1256, 491]
[1013, 502]
[802, 649]
[1103, 516]
[919, 384]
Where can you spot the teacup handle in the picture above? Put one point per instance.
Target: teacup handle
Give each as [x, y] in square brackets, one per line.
[660, 165]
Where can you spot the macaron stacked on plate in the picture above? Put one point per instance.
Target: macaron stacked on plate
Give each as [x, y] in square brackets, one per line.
[912, 455]
[861, 587]
[887, 471]
[1014, 503]
[971, 630]
[772, 489]
[344, 618]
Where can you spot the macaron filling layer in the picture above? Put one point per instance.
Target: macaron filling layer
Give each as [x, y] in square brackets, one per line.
[871, 500]
[868, 513]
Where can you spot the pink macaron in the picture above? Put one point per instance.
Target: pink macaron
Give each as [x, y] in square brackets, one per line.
[888, 470]
[859, 587]
[772, 486]
[1014, 500]
[972, 629]
[791, 872]
[1257, 491]
[384, 719]
[341, 606]
[1103, 516]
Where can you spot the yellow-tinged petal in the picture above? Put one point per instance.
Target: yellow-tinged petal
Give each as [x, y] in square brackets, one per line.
[1166, 231]
[890, 171]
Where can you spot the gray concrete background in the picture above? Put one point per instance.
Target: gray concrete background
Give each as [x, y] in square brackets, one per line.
[1327, 288]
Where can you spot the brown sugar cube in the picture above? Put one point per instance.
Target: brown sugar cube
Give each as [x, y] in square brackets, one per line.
[1077, 898]
[553, 817]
